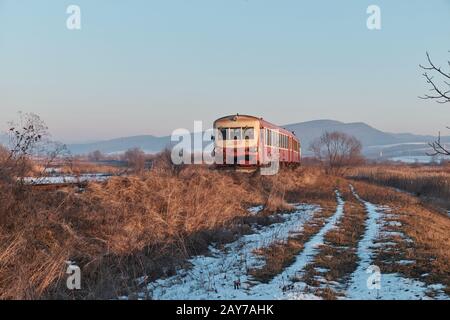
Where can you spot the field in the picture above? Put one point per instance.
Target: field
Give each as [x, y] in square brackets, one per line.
[195, 233]
[430, 183]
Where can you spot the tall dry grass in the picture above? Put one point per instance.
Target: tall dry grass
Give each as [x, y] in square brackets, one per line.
[428, 182]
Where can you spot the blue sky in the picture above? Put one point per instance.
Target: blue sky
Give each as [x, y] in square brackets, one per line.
[148, 67]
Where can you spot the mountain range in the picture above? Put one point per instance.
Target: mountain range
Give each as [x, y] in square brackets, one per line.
[375, 142]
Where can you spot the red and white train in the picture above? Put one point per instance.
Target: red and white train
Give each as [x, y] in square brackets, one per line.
[248, 141]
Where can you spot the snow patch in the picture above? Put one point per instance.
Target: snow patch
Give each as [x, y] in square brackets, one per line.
[67, 179]
[255, 210]
[214, 276]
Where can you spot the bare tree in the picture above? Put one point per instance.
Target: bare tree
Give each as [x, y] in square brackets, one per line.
[163, 162]
[28, 141]
[136, 159]
[25, 135]
[337, 150]
[439, 82]
[95, 156]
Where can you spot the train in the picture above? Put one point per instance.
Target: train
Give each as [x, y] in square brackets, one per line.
[249, 141]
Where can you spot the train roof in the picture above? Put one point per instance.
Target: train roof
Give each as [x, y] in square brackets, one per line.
[263, 122]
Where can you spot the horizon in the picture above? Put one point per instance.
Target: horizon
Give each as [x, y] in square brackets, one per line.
[204, 129]
[150, 67]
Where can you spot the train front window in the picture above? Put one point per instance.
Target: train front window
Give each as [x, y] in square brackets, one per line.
[235, 134]
[224, 132]
[249, 133]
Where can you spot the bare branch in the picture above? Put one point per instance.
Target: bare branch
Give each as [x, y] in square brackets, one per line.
[438, 148]
[433, 67]
[440, 96]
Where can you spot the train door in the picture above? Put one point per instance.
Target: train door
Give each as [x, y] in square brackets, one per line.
[292, 149]
[261, 144]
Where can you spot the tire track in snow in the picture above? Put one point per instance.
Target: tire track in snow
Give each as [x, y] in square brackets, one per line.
[358, 287]
[285, 285]
[213, 276]
[392, 286]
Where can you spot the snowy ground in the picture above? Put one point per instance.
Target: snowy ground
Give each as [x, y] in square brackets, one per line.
[67, 179]
[364, 283]
[289, 277]
[213, 276]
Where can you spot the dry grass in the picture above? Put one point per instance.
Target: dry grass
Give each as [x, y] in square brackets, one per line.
[126, 228]
[78, 167]
[431, 183]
